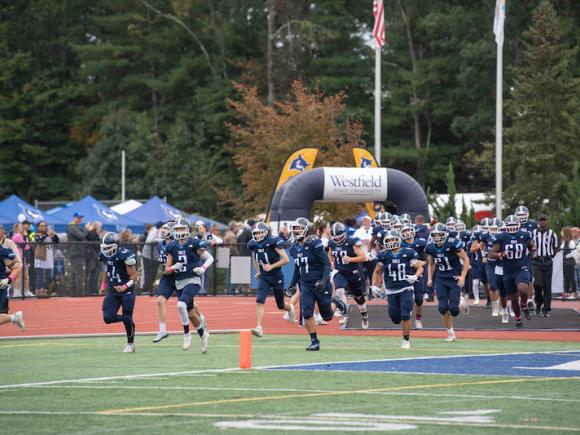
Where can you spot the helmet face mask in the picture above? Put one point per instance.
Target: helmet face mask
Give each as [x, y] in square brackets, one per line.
[512, 224]
[338, 233]
[392, 240]
[300, 229]
[181, 229]
[406, 219]
[260, 232]
[408, 232]
[522, 214]
[397, 225]
[166, 231]
[460, 226]
[110, 245]
[439, 234]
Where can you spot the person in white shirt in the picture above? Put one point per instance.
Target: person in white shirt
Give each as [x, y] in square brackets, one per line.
[365, 234]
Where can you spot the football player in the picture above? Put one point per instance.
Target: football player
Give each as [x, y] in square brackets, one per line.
[504, 310]
[187, 260]
[488, 240]
[119, 285]
[481, 237]
[311, 271]
[523, 215]
[513, 248]
[419, 287]
[347, 254]
[10, 267]
[401, 269]
[269, 256]
[446, 254]
[166, 285]
[450, 223]
[383, 223]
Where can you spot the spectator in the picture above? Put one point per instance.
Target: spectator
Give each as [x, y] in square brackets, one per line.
[44, 258]
[421, 229]
[231, 240]
[150, 255]
[211, 241]
[245, 236]
[93, 264]
[126, 239]
[28, 231]
[76, 252]
[8, 243]
[576, 236]
[324, 233]
[568, 246]
[350, 224]
[21, 283]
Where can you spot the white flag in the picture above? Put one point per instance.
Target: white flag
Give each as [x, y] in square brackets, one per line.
[498, 21]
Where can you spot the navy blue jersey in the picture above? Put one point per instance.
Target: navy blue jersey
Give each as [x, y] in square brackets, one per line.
[464, 236]
[529, 226]
[5, 254]
[418, 245]
[309, 257]
[345, 250]
[162, 250]
[396, 267]
[265, 252]
[422, 231]
[452, 234]
[377, 231]
[117, 266]
[447, 262]
[489, 242]
[514, 248]
[187, 255]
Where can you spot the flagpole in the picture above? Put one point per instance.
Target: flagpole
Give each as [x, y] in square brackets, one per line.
[378, 104]
[498, 132]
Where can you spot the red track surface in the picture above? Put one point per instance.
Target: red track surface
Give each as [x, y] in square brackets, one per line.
[61, 316]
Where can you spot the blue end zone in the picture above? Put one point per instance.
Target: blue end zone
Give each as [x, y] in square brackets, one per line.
[557, 364]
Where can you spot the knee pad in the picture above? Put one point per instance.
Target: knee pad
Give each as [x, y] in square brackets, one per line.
[327, 317]
[360, 300]
[396, 320]
[419, 300]
[454, 311]
[108, 319]
[280, 304]
[443, 310]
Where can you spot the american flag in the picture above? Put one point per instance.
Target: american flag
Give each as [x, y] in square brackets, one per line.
[379, 27]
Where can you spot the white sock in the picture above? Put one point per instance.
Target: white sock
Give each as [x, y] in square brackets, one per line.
[162, 327]
[475, 288]
[341, 294]
[362, 308]
[451, 331]
[13, 318]
[182, 311]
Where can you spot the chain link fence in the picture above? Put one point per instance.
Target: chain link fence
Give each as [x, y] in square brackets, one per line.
[74, 270]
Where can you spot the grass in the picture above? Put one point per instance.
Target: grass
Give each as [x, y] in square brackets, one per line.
[203, 399]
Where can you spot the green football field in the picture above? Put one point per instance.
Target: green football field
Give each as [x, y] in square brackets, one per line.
[87, 385]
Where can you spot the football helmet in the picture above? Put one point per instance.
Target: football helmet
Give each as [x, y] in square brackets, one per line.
[460, 226]
[300, 228]
[260, 231]
[406, 218]
[408, 232]
[397, 225]
[450, 223]
[484, 225]
[166, 231]
[522, 214]
[181, 229]
[494, 226]
[110, 244]
[338, 233]
[392, 240]
[439, 234]
[512, 224]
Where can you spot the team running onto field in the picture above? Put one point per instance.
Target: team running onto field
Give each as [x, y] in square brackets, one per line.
[397, 260]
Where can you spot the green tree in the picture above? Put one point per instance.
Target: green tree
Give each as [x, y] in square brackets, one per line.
[445, 209]
[571, 215]
[544, 108]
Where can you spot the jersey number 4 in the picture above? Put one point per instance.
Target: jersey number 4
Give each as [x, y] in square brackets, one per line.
[400, 272]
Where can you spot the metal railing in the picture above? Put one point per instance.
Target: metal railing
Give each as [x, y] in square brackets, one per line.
[74, 269]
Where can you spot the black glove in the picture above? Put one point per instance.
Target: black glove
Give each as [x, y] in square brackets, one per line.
[290, 291]
[319, 285]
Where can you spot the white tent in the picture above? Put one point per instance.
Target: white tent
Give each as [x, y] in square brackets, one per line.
[127, 206]
[475, 200]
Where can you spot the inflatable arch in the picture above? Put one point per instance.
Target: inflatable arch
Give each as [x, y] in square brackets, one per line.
[295, 198]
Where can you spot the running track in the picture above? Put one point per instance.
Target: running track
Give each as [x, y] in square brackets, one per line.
[62, 316]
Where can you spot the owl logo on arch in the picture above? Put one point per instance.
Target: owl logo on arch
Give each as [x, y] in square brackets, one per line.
[366, 163]
[299, 164]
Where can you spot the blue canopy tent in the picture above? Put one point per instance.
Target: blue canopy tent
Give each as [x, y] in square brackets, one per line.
[14, 206]
[6, 221]
[154, 210]
[93, 210]
[193, 218]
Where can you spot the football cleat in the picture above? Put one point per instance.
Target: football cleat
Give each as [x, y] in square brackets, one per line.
[451, 337]
[406, 344]
[418, 324]
[463, 306]
[258, 331]
[504, 315]
[18, 319]
[519, 323]
[495, 309]
[160, 336]
[511, 311]
[286, 316]
[365, 321]
[130, 348]
[186, 341]
[314, 346]
[204, 341]
[527, 313]
[531, 305]
[291, 314]
[343, 320]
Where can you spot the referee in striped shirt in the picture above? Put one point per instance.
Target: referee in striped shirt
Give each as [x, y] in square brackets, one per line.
[547, 244]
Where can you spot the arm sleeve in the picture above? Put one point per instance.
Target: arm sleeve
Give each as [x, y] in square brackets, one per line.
[295, 276]
[207, 259]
